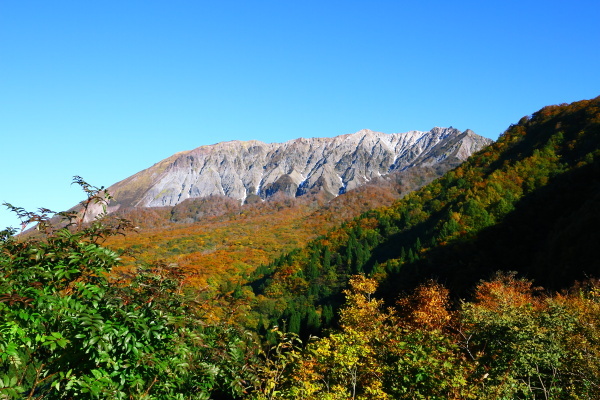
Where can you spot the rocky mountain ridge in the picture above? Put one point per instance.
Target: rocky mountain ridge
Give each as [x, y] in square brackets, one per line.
[253, 169]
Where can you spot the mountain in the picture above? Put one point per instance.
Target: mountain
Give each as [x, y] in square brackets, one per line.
[252, 170]
[216, 238]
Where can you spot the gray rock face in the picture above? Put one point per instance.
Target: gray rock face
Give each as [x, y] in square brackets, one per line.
[334, 165]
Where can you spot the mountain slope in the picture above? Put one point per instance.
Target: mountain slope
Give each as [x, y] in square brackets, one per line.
[527, 203]
[244, 170]
[215, 239]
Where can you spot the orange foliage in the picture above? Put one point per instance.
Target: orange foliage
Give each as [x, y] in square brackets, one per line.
[427, 307]
[504, 292]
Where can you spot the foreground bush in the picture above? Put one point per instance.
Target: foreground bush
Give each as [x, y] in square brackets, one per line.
[69, 329]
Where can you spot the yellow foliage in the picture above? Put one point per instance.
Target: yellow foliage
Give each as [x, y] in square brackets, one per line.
[346, 365]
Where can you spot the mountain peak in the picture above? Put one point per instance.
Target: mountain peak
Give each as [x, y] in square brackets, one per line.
[238, 169]
[363, 132]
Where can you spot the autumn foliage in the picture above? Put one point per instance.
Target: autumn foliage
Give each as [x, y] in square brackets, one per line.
[479, 285]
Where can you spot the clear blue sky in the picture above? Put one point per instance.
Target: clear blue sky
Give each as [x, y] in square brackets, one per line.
[105, 89]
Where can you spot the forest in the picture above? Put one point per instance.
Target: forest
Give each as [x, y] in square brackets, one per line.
[482, 284]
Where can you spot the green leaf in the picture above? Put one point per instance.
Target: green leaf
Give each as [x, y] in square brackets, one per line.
[97, 374]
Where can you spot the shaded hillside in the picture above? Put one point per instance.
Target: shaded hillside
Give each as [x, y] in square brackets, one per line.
[550, 236]
[525, 203]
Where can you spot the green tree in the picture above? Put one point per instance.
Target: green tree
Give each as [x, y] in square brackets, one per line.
[517, 340]
[69, 329]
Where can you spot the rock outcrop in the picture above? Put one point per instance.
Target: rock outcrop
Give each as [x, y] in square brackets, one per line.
[242, 170]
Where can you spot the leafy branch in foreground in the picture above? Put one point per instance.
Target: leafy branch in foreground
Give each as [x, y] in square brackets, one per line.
[69, 330]
[101, 224]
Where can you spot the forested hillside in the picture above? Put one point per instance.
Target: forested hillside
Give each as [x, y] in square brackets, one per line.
[528, 203]
[216, 240]
[437, 296]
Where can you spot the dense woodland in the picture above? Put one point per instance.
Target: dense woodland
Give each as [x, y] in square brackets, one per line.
[479, 285]
[216, 240]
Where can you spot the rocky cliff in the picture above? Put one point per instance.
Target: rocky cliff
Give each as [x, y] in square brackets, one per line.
[244, 170]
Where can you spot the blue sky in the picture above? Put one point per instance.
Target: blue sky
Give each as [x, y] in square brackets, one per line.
[106, 89]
